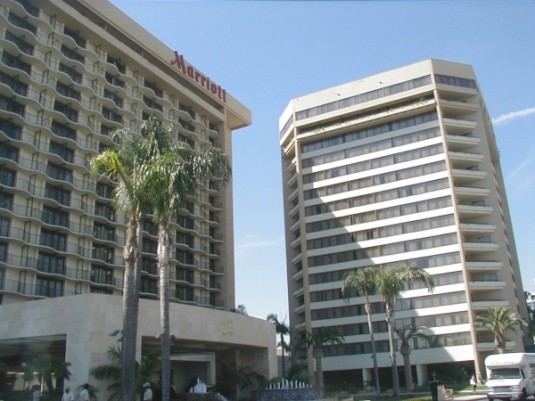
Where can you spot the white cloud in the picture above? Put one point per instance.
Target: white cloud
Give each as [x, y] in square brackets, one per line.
[513, 116]
[245, 246]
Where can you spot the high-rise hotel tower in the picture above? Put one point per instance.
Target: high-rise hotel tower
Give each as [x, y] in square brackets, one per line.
[399, 168]
[71, 72]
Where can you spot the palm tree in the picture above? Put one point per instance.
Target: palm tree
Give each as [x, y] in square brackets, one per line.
[175, 170]
[112, 372]
[389, 284]
[282, 329]
[363, 282]
[406, 334]
[499, 320]
[126, 165]
[318, 339]
[51, 370]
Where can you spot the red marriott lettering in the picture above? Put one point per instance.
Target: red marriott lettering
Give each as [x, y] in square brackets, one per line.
[199, 77]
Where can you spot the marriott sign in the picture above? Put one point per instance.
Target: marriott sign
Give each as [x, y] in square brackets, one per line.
[197, 76]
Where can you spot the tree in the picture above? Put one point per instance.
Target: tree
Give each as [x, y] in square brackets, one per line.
[499, 320]
[317, 340]
[406, 334]
[50, 369]
[241, 309]
[282, 329]
[389, 284]
[175, 170]
[145, 371]
[362, 281]
[126, 164]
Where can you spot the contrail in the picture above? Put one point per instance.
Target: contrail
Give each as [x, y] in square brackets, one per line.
[513, 116]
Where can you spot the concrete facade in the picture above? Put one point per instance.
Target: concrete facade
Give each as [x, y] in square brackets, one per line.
[399, 168]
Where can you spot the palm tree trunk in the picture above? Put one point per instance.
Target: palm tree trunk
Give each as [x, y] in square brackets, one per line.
[130, 308]
[408, 372]
[367, 307]
[391, 329]
[319, 378]
[164, 265]
[282, 348]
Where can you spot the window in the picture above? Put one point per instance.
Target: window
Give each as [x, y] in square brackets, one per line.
[16, 62]
[51, 263]
[4, 226]
[55, 216]
[70, 113]
[148, 285]
[62, 151]
[59, 172]
[103, 232]
[71, 72]
[3, 251]
[6, 200]
[9, 152]
[63, 130]
[59, 194]
[72, 54]
[101, 275]
[7, 177]
[53, 239]
[104, 190]
[67, 91]
[103, 253]
[48, 287]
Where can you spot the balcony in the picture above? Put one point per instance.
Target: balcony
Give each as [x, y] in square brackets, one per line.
[458, 127]
[483, 266]
[466, 176]
[468, 211]
[462, 160]
[480, 246]
[486, 285]
[478, 228]
[484, 305]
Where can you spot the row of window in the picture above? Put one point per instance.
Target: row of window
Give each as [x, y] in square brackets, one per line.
[388, 143]
[364, 97]
[436, 341]
[433, 300]
[383, 250]
[430, 261]
[365, 133]
[371, 164]
[378, 179]
[336, 294]
[380, 214]
[381, 232]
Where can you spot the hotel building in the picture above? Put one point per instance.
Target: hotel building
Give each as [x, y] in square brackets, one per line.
[71, 72]
[400, 168]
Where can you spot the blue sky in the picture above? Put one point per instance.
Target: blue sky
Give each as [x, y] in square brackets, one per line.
[266, 53]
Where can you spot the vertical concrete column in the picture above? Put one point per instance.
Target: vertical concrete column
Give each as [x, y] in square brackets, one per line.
[367, 377]
[421, 375]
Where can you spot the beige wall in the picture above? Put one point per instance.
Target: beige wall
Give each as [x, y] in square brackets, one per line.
[87, 320]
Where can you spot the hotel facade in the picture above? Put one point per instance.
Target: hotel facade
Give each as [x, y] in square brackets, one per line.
[72, 72]
[399, 168]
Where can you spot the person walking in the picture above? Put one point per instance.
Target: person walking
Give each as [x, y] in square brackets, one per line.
[67, 395]
[147, 395]
[433, 386]
[473, 382]
[84, 394]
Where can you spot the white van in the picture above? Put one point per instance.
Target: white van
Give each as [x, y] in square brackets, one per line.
[510, 376]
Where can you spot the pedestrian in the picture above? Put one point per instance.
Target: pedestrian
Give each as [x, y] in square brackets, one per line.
[36, 393]
[84, 394]
[473, 382]
[67, 395]
[147, 395]
[433, 385]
